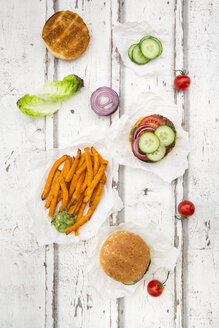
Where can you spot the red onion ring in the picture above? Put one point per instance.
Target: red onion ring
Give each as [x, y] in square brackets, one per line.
[104, 101]
[143, 128]
[136, 151]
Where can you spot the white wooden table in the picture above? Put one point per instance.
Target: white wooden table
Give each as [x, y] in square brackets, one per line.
[47, 287]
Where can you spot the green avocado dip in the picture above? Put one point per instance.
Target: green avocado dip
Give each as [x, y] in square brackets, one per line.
[62, 221]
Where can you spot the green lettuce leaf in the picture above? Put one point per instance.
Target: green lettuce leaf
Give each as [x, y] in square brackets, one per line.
[60, 90]
[36, 106]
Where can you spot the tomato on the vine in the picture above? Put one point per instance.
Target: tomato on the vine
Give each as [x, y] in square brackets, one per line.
[182, 81]
[155, 287]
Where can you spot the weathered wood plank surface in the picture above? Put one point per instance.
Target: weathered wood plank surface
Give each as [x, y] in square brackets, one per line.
[47, 287]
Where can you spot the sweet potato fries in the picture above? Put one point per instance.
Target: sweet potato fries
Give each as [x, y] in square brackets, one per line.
[79, 183]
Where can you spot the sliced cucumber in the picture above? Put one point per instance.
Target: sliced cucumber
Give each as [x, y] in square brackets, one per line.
[165, 134]
[156, 40]
[138, 57]
[129, 283]
[130, 50]
[158, 154]
[150, 47]
[148, 142]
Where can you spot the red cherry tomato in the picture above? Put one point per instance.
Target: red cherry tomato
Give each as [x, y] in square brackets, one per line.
[152, 120]
[186, 208]
[183, 81]
[155, 287]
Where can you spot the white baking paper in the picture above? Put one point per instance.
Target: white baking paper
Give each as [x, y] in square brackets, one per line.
[131, 32]
[40, 166]
[175, 163]
[163, 255]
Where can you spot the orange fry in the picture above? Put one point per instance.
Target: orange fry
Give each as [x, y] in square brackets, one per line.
[79, 185]
[49, 199]
[60, 195]
[89, 164]
[96, 160]
[82, 221]
[54, 200]
[65, 194]
[51, 175]
[84, 185]
[94, 183]
[73, 185]
[81, 169]
[73, 167]
[103, 179]
[79, 216]
[66, 167]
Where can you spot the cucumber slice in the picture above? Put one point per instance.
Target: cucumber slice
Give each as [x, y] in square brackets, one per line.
[158, 154]
[148, 142]
[130, 50]
[138, 57]
[156, 40]
[150, 48]
[165, 134]
[129, 283]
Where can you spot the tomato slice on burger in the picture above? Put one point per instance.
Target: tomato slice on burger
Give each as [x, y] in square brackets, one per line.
[152, 120]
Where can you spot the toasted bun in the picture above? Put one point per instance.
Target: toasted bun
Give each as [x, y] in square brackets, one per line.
[167, 122]
[66, 35]
[124, 256]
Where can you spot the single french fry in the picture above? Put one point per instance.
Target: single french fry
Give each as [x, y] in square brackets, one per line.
[96, 160]
[79, 216]
[81, 169]
[82, 221]
[73, 185]
[65, 194]
[60, 195]
[103, 179]
[73, 167]
[94, 183]
[55, 197]
[84, 185]
[51, 176]
[71, 209]
[78, 186]
[66, 167]
[89, 164]
[50, 197]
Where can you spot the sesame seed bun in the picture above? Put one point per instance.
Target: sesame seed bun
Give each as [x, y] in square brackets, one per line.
[124, 256]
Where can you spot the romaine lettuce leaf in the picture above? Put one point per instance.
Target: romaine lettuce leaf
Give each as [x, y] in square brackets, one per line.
[36, 106]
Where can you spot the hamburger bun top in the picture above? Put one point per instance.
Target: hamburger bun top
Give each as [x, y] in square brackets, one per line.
[124, 256]
[66, 35]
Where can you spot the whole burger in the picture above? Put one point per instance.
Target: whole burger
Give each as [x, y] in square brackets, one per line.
[152, 138]
[125, 257]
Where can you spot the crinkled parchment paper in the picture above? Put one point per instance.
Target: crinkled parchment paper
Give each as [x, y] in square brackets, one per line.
[40, 165]
[163, 255]
[170, 167]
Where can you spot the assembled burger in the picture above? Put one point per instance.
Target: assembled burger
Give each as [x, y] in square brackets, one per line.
[125, 257]
[152, 138]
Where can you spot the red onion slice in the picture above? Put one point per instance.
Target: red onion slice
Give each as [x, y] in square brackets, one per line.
[136, 151]
[104, 101]
[143, 128]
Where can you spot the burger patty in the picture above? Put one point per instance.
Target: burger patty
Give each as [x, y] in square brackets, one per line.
[167, 122]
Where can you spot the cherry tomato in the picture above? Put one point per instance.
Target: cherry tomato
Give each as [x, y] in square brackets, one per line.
[152, 120]
[186, 208]
[182, 82]
[155, 287]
